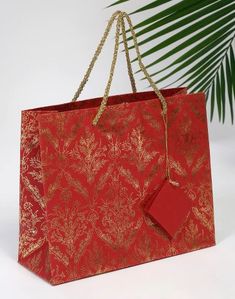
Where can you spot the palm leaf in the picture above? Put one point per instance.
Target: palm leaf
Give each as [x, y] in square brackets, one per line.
[232, 60]
[229, 86]
[151, 5]
[190, 11]
[198, 51]
[184, 4]
[118, 2]
[195, 38]
[200, 34]
[205, 43]
[187, 21]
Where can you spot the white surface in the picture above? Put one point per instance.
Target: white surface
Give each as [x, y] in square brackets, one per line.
[45, 48]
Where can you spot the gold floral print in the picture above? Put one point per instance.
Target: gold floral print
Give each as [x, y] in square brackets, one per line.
[29, 129]
[119, 220]
[129, 178]
[67, 226]
[145, 250]
[33, 189]
[96, 182]
[202, 209]
[201, 215]
[157, 168]
[204, 212]
[114, 146]
[59, 158]
[117, 119]
[30, 142]
[172, 249]
[151, 119]
[35, 163]
[31, 195]
[57, 275]
[176, 106]
[35, 263]
[59, 255]
[187, 139]
[177, 167]
[29, 220]
[137, 148]
[141, 191]
[126, 173]
[51, 139]
[193, 234]
[95, 262]
[199, 163]
[190, 190]
[69, 229]
[76, 185]
[90, 156]
[99, 188]
[176, 246]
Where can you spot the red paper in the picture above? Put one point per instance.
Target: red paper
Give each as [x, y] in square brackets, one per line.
[82, 187]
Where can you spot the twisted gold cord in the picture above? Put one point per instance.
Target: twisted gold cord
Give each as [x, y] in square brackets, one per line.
[111, 73]
[98, 51]
[121, 25]
[158, 93]
[129, 66]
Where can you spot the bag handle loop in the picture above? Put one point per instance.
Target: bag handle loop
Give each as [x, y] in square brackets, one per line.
[121, 24]
[158, 93]
[98, 51]
[124, 15]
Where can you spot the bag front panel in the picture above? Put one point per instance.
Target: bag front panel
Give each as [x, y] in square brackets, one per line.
[96, 180]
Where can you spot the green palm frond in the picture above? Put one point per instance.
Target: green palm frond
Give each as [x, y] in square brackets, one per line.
[118, 2]
[201, 35]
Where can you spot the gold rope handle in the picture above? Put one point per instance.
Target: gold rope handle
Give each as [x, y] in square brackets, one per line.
[111, 73]
[98, 51]
[128, 60]
[103, 105]
[158, 93]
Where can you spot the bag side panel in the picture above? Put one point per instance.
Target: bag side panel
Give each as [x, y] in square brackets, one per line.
[33, 248]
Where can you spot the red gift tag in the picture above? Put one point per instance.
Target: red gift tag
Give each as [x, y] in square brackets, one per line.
[169, 207]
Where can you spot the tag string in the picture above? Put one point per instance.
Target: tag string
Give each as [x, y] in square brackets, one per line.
[168, 172]
[120, 26]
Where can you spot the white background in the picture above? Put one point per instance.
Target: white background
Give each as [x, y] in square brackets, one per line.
[45, 47]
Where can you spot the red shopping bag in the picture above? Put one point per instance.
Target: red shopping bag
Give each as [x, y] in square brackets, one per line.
[113, 182]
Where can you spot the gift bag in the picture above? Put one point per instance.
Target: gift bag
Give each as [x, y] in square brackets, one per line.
[113, 182]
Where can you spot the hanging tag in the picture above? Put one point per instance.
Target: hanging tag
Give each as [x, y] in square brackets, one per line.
[169, 207]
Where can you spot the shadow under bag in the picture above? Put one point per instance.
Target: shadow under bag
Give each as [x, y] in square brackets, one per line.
[117, 181]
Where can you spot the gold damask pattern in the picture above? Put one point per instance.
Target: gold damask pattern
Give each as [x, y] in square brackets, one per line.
[83, 189]
[70, 234]
[89, 156]
[119, 221]
[29, 220]
[32, 203]
[136, 147]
